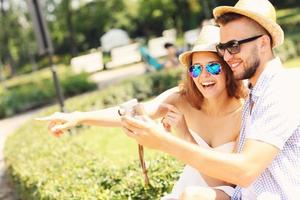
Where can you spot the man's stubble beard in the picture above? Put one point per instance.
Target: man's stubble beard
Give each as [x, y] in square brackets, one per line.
[250, 67]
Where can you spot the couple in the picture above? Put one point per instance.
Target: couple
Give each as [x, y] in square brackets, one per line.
[210, 100]
[206, 113]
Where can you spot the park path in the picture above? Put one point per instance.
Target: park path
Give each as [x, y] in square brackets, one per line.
[10, 125]
[7, 127]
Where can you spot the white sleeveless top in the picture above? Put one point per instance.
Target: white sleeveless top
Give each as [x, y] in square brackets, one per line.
[190, 176]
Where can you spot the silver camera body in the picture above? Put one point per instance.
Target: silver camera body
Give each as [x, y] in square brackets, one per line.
[129, 108]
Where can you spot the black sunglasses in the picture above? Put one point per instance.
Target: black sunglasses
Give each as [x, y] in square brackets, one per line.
[233, 46]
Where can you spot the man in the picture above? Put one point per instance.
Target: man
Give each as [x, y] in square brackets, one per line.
[268, 160]
[248, 33]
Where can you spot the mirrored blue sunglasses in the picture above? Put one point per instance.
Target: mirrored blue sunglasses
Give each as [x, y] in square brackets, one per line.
[212, 68]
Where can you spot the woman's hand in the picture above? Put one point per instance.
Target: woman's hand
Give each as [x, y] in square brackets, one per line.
[59, 122]
[175, 119]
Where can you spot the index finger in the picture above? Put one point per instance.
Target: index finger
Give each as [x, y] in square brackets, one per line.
[170, 107]
[134, 122]
[49, 118]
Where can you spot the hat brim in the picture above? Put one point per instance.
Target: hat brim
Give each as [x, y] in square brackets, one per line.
[185, 58]
[273, 28]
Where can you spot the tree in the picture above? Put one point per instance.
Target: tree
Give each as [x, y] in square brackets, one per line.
[66, 8]
[6, 56]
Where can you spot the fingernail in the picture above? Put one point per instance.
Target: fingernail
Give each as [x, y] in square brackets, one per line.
[57, 134]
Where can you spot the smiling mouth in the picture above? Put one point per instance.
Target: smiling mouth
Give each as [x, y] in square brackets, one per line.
[208, 84]
[234, 65]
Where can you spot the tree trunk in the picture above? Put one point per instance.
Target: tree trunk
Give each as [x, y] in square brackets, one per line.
[71, 35]
[7, 57]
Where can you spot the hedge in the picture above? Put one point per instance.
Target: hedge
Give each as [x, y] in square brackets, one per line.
[38, 92]
[73, 167]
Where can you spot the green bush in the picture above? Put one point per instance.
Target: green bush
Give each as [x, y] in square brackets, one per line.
[290, 49]
[98, 163]
[289, 21]
[34, 93]
[141, 87]
[65, 170]
[77, 84]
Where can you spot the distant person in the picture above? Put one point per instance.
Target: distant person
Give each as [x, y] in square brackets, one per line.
[152, 64]
[172, 56]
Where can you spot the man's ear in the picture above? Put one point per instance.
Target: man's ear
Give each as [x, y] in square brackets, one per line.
[265, 43]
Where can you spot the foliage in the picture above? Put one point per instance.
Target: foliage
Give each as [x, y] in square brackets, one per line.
[51, 168]
[91, 162]
[156, 16]
[76, 29]
[29, 92]
[293, 63]
[69, 35]
[289, 49]
[289, 21]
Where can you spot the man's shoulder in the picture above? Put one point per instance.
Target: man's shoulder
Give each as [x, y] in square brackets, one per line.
[282, 88]
[287, 80]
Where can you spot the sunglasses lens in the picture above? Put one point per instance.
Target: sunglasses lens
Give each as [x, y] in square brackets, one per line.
[234, 48]
[213, 68]
[195, 70]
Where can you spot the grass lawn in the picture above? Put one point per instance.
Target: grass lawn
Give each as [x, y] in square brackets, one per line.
[111, 144]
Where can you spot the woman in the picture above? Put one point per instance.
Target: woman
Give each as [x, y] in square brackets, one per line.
[209, 101]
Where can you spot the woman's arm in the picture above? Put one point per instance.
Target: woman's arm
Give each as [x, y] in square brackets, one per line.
[109, 117]
[175, 119]
[155, 109]
[167, 105]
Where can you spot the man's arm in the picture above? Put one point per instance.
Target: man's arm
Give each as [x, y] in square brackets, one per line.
[239, 169]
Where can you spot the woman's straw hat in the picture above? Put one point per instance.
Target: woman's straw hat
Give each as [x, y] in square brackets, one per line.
[207, 40]
[261, 11]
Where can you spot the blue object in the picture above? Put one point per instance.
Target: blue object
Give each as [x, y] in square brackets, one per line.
[150, 60]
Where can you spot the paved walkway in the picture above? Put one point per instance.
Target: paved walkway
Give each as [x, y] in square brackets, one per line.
[107, 77]
[9, 125]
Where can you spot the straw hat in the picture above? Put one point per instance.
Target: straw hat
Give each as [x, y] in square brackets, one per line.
[207, 40]
[261, 11]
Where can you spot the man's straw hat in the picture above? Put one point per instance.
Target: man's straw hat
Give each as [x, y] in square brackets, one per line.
[261, 11]
[207, 40]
